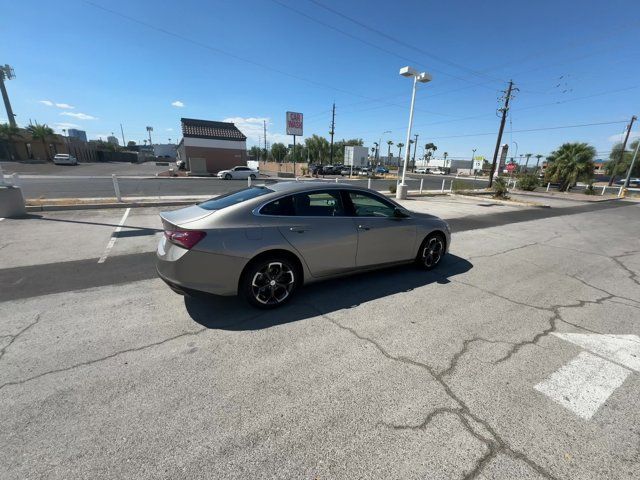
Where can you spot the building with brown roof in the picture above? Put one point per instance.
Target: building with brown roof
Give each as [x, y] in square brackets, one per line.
[208, 147]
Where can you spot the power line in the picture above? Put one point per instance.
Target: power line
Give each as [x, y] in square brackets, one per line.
[533, 129]
[373, 45]
[403, 43]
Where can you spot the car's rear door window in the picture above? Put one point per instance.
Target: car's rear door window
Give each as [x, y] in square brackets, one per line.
[367, 205]
[280, 207]
[318, 204]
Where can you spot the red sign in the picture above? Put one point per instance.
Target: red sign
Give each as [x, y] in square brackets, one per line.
[511, 167]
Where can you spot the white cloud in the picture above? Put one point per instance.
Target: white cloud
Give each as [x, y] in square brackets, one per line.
[79, 116]
[49, 103]
[169, 129]
[177, 104]
[253, 128]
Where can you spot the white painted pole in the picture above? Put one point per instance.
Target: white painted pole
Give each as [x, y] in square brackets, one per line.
[248, 181]
[400, 191]
[116, 187]
[548, 185]
[619, 191]
[604, 188]
[369, 184]
[451, 186]
[442, 189]
[336, 179]
[1, 176]
[421, 182]
[15, 180]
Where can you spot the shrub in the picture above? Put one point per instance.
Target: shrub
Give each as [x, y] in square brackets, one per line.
[393, 187]
[590, 190]
[528, 182]
[500, 188]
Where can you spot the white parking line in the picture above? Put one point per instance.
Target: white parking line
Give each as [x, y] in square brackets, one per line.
[113, 238]
[584, 384]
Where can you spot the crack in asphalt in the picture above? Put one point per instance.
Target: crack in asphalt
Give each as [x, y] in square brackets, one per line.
[101, 359]
[633, 276]
[17, 335]
[495, 445]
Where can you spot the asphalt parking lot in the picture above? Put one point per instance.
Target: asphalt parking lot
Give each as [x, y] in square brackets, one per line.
[518, 358]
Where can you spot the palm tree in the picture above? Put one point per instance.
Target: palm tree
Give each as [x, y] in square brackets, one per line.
[399, 145]
[9, 131]
[389, 143]
[526, 165]
[42, 133]
[538, 157]
[570, 163]
[445, 155]
[429, 148]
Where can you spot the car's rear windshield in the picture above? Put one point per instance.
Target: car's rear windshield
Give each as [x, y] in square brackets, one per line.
[234, 198]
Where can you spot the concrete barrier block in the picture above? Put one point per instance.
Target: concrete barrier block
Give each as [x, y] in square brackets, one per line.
[11, 202]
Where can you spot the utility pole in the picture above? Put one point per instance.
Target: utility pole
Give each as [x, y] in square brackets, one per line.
[624, 146]
[414, 153]
[504, 111]
[264, 124]
[333, 126]
[122, 132]
[7, 73]
[633, 162]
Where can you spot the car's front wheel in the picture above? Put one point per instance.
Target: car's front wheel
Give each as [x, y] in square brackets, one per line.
[431, 251]
[252, 176]
[227, 176]
[269, 282]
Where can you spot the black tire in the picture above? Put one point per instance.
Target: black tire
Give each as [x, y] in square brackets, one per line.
[227, 176]
[252, 176]
[269, 282]
[431, 251]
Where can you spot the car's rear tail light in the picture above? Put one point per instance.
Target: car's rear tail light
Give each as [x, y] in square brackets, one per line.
[184, 238]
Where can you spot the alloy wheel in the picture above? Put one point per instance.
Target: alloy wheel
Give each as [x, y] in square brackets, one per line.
[272, 283]
[432, 252]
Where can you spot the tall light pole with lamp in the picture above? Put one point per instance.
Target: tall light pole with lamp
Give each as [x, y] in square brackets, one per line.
[422, 77]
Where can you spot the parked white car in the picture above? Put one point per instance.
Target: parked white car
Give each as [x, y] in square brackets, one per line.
[238, 173]
[422, 170]
[65, 159]
[437, 171]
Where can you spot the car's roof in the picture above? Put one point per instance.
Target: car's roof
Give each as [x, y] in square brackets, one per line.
[299, 186]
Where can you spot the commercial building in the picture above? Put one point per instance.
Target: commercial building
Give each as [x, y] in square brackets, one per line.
[208, 147]
[165, 150]
[356, 156]
[79, 135]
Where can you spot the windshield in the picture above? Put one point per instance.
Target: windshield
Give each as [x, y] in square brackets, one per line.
[233, 198]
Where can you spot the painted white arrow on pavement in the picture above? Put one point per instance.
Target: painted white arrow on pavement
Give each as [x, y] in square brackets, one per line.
[585, 383]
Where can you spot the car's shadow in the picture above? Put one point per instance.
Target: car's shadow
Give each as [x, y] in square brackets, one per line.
[232, 313]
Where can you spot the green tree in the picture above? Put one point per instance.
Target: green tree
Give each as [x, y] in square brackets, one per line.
[278, 151]
[317, 148]
[42, 133]
[570, 163]
[8, 131]
[389, 143]
[399, 145]
[618, 163]
[255, 152]
[131, 143]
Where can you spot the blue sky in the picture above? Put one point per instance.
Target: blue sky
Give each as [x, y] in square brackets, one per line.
[575, 63]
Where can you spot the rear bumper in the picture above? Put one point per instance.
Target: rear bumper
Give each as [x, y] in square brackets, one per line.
[185, 270]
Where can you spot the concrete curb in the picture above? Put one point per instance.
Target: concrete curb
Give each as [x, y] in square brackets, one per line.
[503, 202]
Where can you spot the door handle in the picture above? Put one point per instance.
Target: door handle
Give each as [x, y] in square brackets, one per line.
[298, 229]
[364, 227]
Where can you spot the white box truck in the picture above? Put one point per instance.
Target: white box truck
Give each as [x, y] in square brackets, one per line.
[356, 156]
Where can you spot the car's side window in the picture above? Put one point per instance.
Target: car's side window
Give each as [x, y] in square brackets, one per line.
[318, 204]
[366, 205]
[281, 207]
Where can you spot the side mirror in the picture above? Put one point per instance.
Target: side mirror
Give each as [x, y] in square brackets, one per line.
[399, 213]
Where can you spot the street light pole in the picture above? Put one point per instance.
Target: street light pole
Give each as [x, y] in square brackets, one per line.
[423, 77]
[473, 159]
[414, 152]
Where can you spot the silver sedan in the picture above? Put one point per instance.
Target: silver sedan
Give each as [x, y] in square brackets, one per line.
[263, 242]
